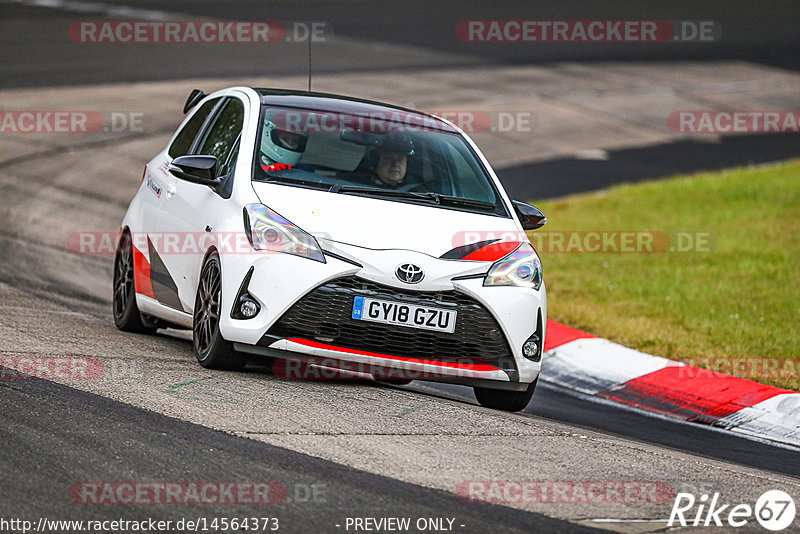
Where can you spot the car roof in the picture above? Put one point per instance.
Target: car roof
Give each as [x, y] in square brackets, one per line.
[348, 105]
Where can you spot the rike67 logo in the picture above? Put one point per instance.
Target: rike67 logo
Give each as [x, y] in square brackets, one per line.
[774, 510]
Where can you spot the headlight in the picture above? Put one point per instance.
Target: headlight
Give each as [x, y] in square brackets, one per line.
[267, 230]
[521, 268]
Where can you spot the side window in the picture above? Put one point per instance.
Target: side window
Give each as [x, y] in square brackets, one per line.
[183, 142]
[223, 134]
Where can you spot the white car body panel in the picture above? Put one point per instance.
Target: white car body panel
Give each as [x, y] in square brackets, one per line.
[381, 224]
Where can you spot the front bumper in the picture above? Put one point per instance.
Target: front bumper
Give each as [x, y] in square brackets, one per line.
[306, 305]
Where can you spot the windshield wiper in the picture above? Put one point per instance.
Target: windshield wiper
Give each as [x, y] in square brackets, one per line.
[466, 202]
[293, 181]
[436, 198]
[375, 191]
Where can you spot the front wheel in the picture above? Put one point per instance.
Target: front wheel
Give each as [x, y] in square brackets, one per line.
[503, 399]
[211, 350]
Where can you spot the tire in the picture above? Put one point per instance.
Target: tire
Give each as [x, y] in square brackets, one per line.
[502, 399]
[126, 313]
[211, 350]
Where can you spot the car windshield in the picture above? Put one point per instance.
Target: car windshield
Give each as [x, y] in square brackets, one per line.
[403, 157]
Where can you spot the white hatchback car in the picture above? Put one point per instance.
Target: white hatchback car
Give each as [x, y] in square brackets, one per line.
[336, 232]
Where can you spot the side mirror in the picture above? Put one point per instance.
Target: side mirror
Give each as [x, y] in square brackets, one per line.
[530, 217]
[197, 169]
[194, 97]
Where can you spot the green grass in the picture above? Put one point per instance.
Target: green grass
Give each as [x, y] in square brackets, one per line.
[735, 309]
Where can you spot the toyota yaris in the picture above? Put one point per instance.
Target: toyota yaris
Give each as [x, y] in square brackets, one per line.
[319, 228]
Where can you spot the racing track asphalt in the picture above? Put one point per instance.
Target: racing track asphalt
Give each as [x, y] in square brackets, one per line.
[56, 436]
[558, 404]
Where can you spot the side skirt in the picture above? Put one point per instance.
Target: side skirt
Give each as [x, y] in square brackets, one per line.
[151, 306]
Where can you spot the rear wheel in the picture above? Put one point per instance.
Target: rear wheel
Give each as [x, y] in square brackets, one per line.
[211, 350]
[503, 399]
[126, 312]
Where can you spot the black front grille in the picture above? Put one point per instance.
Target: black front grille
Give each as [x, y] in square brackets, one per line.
[324, 315]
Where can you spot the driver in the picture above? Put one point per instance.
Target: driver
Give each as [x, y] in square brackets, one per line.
[391, 168]
[392, 159]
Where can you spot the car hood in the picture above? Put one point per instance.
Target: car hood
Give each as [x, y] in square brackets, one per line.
[384, 224]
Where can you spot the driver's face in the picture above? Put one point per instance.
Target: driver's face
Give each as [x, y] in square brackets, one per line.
[391, 167]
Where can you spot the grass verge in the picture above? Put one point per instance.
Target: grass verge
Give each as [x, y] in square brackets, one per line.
[730, 303]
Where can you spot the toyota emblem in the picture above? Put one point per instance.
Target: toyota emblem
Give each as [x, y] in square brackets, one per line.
[409, 273]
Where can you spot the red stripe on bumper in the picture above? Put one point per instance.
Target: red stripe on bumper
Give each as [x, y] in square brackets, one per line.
[692, 393]
[334, 348]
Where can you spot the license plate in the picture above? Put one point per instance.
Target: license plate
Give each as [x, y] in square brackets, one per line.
[411, 315]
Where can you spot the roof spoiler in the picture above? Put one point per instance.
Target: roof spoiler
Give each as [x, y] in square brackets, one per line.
[194, 97]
